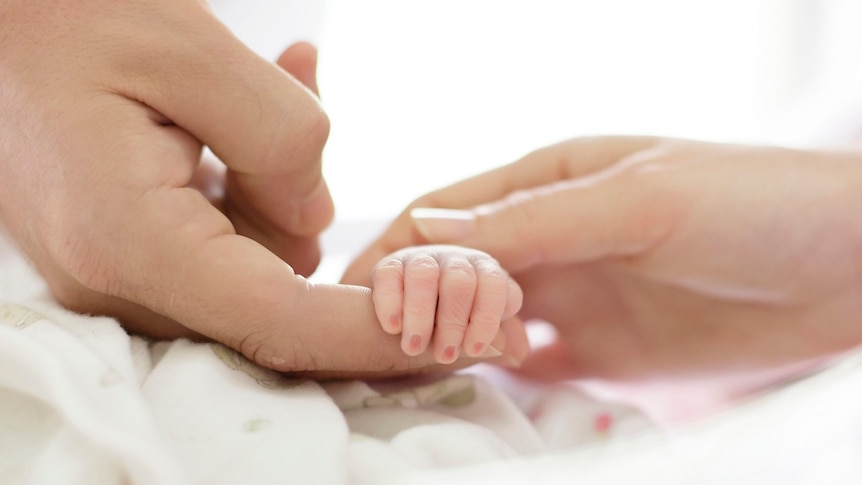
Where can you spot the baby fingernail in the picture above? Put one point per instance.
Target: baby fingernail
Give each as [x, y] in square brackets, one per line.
[414, 343]
[478, 347]
[450, 353]
[395, 323]
[443, 225]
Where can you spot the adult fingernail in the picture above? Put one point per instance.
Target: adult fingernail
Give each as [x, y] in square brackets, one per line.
[511, 362]
[491, 351]
[443, 225]
[498, 349]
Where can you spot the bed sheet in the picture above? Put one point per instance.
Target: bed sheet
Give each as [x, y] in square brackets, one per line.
[82, 402]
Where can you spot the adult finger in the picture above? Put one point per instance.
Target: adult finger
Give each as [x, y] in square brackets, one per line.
[571, 221]
[169, 252]
[565, 161]
[380, 361]
[256, 205]
[259, 120]
[232, 290]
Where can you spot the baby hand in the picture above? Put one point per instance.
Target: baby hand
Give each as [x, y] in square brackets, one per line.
[455, 295]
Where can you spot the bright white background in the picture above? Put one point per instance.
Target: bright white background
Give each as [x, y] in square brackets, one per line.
[422, 93]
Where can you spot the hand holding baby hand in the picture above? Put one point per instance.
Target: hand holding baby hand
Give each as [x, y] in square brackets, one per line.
[664, 257]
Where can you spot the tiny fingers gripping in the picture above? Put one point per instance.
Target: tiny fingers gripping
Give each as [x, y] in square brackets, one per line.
[387, 280]
[451, 297]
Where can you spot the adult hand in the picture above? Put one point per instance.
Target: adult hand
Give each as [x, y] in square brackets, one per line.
[664, 257]
[105, 107]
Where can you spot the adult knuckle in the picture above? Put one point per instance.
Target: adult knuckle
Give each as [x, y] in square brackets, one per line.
[524, 201]
[299, 139]
[87, 262]
[318, 128]
[257, 346]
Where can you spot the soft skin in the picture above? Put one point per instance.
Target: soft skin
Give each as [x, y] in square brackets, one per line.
[450, 297]
[105, 107]
[661, 257]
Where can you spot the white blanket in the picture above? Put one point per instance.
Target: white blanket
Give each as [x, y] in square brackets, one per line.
[81, 402]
